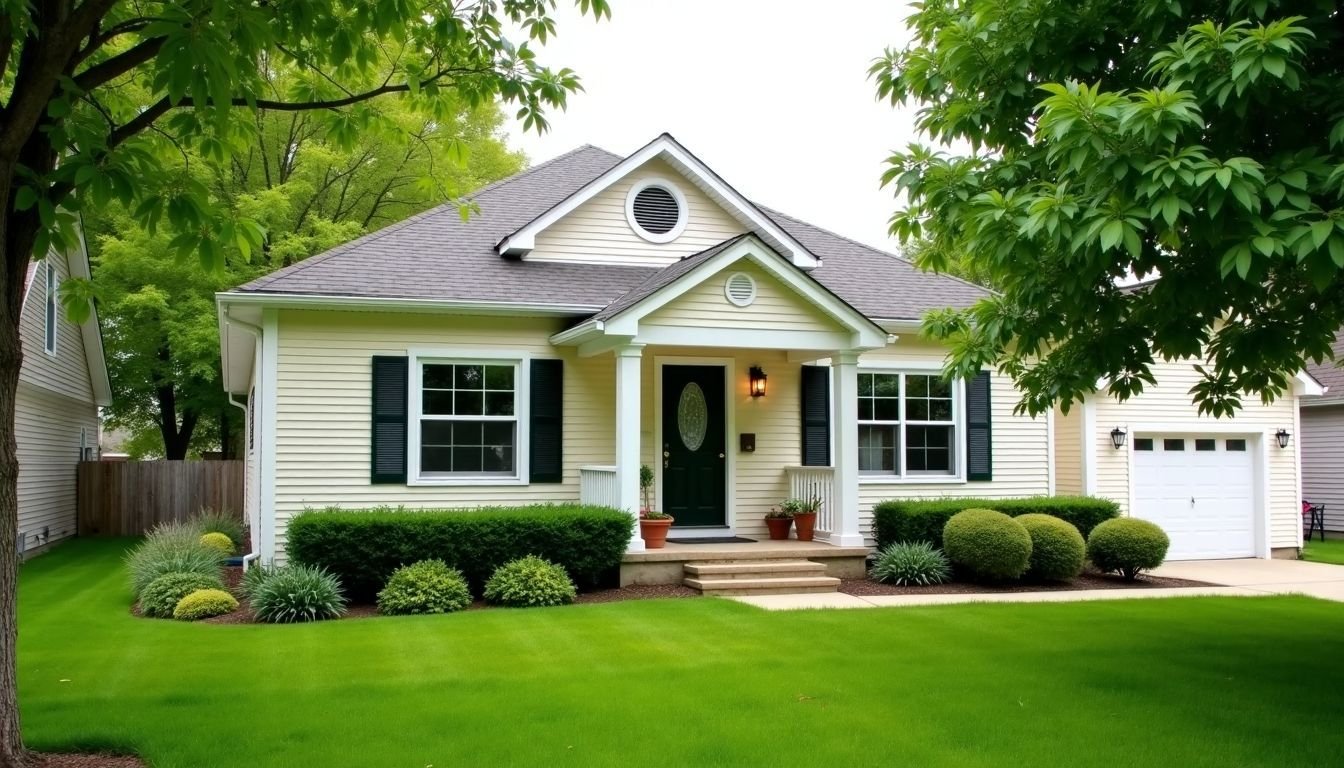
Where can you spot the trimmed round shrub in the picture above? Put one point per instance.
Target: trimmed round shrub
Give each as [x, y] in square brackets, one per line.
[1057, 548]
[529, 581]
[987, 544]
[210, 520]
[1127, 545]
[914, 563]
[171, 548]
[218, 541]
[295, 593]
[162, 595]
[428, 586]
[204, 603]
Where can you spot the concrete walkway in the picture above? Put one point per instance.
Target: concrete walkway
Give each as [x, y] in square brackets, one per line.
[1236, 578]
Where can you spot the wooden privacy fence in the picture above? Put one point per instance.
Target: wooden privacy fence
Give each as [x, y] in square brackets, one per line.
[128, 498]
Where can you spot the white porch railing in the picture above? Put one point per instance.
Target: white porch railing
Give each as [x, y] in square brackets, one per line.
[597, 485]
[815, 483]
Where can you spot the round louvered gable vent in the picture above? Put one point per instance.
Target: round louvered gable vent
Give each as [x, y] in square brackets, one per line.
[740, 289]
[656, 210]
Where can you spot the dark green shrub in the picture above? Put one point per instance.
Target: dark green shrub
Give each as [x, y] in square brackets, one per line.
[162, 595]
[1127, 545]
[914, 563]
[1057, 548]
[171, 548]
[923, 519]
[364, 547]
[529, 582]
[428, 586]
[987, 544]
[295, 593]
[204, 603]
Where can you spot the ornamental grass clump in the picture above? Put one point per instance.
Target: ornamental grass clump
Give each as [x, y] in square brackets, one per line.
[1127, 545]
[211, 520]
[530, 582]
[428, 586]
[204, 604]
[912, 564]
[1057, 548]
[171, 548]
[296, 593]
[160, 598]
[987, 544]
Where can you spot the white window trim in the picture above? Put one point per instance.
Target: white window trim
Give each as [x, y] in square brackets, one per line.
[51, 312]
[958, 431]
[683, 212]
[521, 410]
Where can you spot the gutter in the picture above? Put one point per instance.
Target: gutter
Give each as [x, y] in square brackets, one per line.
[255, 554]
[300, 301]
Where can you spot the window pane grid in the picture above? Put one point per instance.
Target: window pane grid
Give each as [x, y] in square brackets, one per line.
[907, 424]
[468, 424]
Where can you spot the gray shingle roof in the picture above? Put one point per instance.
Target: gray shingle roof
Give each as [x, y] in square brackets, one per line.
[1329, 374]
[437, 256]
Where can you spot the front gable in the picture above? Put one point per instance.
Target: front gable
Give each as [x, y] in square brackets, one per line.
[742, 295]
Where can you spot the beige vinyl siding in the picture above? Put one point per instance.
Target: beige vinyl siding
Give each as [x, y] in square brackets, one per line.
[1323, 461]
[776, 306]
[66, 372]
[1167, 408]
[47, 430]
[1069, 451]
[599, 231]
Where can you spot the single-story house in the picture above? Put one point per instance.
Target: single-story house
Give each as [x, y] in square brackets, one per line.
[62, 383]
[1322, 419]
[602, 312]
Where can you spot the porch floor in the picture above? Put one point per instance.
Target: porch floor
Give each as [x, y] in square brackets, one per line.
[667, 565]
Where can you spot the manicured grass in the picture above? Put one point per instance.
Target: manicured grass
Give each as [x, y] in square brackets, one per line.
[1328, 551]
[1188, 682]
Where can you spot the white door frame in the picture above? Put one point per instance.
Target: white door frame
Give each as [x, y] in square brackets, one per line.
[728, 365]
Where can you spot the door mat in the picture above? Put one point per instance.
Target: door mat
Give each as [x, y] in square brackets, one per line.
[713, 540]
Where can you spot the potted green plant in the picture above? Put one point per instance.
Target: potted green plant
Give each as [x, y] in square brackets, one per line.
[653, 525]
[804, 514]
[779, 521]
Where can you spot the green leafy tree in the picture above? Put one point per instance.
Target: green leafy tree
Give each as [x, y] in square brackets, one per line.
[1199, 141]
[99, 98]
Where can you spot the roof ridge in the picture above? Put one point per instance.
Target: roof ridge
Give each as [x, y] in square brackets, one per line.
[533, 169]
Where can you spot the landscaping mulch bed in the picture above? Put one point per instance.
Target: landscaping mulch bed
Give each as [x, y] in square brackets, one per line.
[1088, 580]
[63, 760]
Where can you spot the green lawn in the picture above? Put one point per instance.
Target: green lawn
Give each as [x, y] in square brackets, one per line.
[1188, 682]
[1328, 551]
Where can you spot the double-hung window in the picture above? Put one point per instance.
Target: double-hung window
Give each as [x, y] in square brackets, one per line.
[908, 424]
[468, 419]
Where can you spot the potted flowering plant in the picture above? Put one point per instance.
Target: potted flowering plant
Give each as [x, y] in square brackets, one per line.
[779, 521]
[653, 525]
[804, 514]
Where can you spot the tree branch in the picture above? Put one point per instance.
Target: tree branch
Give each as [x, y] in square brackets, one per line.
[118, 65]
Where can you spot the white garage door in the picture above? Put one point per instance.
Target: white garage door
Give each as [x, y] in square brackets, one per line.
[1200, 490]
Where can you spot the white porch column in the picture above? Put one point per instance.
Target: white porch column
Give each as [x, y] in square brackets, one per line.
[627, 434]
[845, 452]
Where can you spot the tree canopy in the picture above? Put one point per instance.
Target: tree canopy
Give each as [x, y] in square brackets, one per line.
[1200, 143]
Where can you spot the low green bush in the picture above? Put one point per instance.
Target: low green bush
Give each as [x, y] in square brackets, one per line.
[253, 578]
[218, 541]
[428, 586]
[923, 519]
[1057, 548]
[204, 603]
[1127, 545]
[364, 547]
[529, 582]
[162, 595]
[211, 520]
[171, 548]
[296, 593]
[911, 563]
[987, 544]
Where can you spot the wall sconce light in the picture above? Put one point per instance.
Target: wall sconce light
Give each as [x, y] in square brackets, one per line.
[756, 381]
[1282, 436]
[1118, 438]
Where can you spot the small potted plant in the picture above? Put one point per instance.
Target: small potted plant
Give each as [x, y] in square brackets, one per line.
[804, 514]
[779, 521]
[653, 525]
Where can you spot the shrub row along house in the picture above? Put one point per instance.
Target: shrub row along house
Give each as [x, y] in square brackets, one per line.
[601, 313]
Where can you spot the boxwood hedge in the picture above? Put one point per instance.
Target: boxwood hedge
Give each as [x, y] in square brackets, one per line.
[901, 520]
[363, 547]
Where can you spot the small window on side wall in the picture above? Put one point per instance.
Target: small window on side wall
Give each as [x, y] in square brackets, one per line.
[1143, 443]
[51, 314]
[1236, 445]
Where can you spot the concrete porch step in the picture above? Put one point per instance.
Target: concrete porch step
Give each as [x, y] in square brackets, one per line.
[754, 569]
[791, 585]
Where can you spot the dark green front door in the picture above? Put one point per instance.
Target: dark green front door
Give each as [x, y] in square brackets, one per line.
[694, 467]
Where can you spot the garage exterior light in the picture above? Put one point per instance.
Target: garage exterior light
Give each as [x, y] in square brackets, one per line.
[1118, 438]
[1282, 436]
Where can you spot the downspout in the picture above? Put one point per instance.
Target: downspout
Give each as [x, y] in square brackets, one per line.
[229, 319]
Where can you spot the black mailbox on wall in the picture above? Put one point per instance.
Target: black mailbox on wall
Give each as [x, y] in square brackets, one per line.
[746, 442]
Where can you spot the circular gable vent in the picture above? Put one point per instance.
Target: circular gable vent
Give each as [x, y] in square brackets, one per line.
[740, 289]
[656, 210]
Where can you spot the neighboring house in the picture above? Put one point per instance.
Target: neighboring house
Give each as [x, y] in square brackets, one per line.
[1323, 440]
[604, 312]
[62, 384]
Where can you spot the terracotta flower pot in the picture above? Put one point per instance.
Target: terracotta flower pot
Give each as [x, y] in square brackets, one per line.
[654, 532]
[779, 527]
[805, 522]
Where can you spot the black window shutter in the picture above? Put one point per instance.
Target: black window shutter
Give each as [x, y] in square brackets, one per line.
[979, 443]
[816, 397]
[547, 391]
[387, 460]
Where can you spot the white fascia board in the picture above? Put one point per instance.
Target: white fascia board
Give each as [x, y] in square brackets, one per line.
[373, 303]
[90, 330]
[525, 239]
[1308, 385]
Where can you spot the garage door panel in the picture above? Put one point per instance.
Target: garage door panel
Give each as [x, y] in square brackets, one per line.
[1202, 498]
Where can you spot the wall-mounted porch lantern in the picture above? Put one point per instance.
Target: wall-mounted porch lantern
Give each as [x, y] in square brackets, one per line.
[1118, 438]
[756, 381]
[1282, 436]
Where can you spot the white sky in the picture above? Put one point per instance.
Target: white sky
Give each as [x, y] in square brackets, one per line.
[773, 95]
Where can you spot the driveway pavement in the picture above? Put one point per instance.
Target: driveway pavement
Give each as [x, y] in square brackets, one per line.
[1272, 577]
